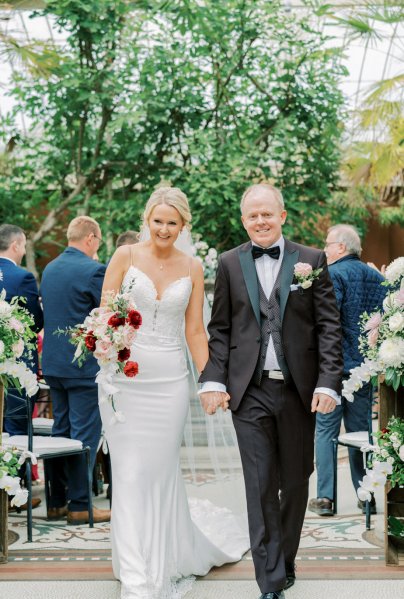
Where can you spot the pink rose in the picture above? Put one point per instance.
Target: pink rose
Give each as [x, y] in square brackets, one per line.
[104, 351]
[128, 335]
[18, 348]
[373, 322]
[373, 336]
[16, 325]
[302, 269]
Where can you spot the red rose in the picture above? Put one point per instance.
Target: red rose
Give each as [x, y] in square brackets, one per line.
[123, 354]
[116, 321]
[134, 318]
[90, 341]
[131, 369]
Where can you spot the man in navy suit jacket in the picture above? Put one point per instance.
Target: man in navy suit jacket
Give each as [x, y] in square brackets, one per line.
[70, 289]
[18, 282]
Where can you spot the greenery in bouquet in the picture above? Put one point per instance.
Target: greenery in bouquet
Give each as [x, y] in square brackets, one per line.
[16, 338]
[10, 462]
[108, 333]
[382, 338]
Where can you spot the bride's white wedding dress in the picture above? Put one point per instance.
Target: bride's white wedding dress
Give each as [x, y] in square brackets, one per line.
[158, 540]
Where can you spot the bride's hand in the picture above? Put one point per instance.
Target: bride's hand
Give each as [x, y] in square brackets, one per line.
[211, 400]
[225, 401]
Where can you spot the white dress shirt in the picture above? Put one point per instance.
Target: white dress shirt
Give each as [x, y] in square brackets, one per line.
[267, 271]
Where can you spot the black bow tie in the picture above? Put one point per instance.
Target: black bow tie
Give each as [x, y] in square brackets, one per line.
[273, 252]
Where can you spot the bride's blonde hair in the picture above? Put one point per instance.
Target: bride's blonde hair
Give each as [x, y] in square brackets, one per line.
[172, 196]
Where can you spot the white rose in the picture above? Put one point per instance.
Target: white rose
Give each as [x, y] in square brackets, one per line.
[395, 270]
[18, 348]
[396, 322]
[7, 457]
[401, 453]
[391, 352]
[1, 347]
[306, 284]
[5, 308]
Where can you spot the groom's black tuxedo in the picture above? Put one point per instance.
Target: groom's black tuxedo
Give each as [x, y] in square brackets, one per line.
[273, 419]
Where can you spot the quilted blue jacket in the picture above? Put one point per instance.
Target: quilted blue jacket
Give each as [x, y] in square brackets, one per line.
[357, 289]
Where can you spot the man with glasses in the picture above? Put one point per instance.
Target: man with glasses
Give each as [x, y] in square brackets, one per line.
[70, 289]
[357, 288]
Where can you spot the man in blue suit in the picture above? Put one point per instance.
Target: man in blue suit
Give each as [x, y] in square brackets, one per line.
[70, 289]
[18, 282]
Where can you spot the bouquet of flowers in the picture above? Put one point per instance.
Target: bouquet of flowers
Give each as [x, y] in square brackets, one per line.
[16, 337]
[382, 340]
[108, 333]
[10, 461]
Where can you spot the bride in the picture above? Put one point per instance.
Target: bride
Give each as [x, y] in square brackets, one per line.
[156, 546]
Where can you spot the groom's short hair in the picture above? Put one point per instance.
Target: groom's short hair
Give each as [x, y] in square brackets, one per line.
[80, 227]
[275, 192]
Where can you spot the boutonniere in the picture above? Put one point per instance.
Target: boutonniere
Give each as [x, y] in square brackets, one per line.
[305, 274]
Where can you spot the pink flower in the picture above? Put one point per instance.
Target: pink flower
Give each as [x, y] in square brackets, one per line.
[16, 325]
[18, 348]
[104, 350]
[373, 322]
[128, 335]
[373, 336]
[302, 269]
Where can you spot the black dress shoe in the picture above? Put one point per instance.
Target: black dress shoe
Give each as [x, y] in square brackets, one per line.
[290, 581]
[290, 576]
[274, 595]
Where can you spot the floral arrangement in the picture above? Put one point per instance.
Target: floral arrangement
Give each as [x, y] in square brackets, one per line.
[108, 333]
[305, 274]
[382, 339]
[387, 465]
[207, 257]
[16, 337]
[10, 461]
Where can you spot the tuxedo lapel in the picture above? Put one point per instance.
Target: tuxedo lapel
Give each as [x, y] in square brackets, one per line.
[290, 258]
[250, 278]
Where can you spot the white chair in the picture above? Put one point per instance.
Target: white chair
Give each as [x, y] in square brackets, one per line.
[46, 447]
[356, 440]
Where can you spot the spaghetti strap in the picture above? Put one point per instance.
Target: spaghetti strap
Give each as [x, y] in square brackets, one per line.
[131, 247]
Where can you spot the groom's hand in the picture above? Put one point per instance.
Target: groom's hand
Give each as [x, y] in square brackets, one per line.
[211, 400]
[323, 403]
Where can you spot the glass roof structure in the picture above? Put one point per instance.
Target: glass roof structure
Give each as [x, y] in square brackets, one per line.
[368, 60]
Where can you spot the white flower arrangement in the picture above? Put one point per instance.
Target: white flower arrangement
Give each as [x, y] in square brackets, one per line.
[17, 337]
[10, 461]
[382, 339]
[207, 257]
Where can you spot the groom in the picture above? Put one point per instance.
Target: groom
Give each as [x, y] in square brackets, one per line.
[275, 347]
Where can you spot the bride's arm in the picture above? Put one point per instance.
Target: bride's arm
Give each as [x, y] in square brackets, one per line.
[195, 333]
[116, 271]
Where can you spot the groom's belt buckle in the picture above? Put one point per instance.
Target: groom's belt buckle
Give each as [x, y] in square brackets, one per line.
[274, 374]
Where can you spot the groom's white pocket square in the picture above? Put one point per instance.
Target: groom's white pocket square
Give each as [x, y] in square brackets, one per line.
[294, 287]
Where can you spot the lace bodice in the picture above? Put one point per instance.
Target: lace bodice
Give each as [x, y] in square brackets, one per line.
[162, 317]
